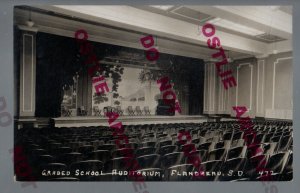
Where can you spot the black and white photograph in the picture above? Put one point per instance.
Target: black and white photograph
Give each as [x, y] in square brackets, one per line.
[153, 93]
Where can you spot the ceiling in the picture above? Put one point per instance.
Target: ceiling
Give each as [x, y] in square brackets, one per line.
[234, 23]
[245, 31]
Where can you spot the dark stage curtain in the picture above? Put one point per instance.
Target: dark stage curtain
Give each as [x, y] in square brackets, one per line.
[196, 88]
[56, 59]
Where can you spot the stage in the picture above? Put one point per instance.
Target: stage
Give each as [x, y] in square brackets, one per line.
[80, 121]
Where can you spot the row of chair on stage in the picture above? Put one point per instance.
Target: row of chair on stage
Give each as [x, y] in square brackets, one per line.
[96, 111]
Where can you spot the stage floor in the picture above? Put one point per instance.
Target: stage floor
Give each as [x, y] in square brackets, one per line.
[80, 121]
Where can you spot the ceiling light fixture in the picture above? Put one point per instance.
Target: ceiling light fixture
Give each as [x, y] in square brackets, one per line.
[29, 22]
[162, 7]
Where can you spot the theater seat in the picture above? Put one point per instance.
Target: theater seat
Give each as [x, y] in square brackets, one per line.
[165, 143]
[37, 152]
[160, 150]
[172, 159]
[216, 154]
[237, 143]
[259, 138]
[196, 155]
[220, 144]
[206, 146]
[284, 144]
[187, 148]
[101, 155]
[124, 152]
[289, 165]
[270, 148]
[149, 161]
[68, 158]
[120, 163]
[148, 144]
[214, 165]
[145, 151]
[62, 150]
[52, 146]
[277, 162]
[254, 150]
[108, 147]
[237, 152]
[131, 145]
[255, 164]
[167, 149]
[44, 159]
[268, 137]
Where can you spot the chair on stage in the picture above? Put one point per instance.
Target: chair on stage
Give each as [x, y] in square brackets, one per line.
[130, 111]
[147, 110]
[149, 161]
[101, 155]
[110, 109]
[66, 112]
[119, 110]
[82, 111]
[167, 149]
[107, 109]
[138, 110]
[97, 111]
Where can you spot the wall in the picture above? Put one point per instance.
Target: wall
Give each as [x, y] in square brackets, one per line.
[264, 85]
[278, 96]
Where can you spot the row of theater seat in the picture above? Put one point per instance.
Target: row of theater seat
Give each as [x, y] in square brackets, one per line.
[221, 147]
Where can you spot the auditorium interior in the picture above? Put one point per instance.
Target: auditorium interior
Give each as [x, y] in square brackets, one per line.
[61, 122]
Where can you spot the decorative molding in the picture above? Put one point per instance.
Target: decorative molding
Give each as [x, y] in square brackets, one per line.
[229, 97]
[228, 102]
[214, 90]
[222, 95]
[262, 56]
[108, 18]
[206, 88]
[111, 35]
[32, 74]
[262, 87]
[210, 88]
[274, 78]
[237, 88]
[220, 108]
[210, 82]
